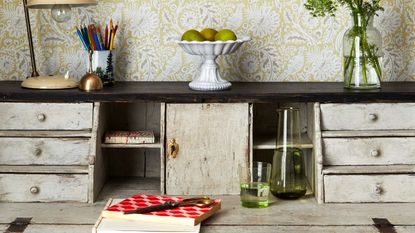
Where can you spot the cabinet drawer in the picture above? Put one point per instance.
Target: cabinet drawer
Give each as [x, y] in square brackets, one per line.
[382, 116]
[45, 116]
[44, 151]
[369, 188]
[43, 188]
[368, 151]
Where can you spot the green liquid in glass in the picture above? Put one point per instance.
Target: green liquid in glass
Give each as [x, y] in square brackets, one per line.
[254, 195]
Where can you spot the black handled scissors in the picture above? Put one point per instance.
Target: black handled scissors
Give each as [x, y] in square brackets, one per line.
[196, 201]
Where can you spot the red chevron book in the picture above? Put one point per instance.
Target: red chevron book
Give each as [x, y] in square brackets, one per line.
[185, 215]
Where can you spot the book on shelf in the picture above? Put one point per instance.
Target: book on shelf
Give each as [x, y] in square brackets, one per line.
[129, 137]
[185, 215]
[110, 225]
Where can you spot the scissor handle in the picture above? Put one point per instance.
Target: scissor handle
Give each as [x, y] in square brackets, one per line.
[197, 201]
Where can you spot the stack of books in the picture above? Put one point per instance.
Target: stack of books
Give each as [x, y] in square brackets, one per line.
[186, 219]
[129, 137]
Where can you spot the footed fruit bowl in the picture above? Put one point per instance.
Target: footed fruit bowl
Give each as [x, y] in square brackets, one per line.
[209, 78]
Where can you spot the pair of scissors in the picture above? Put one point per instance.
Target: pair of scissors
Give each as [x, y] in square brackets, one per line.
[196, 201]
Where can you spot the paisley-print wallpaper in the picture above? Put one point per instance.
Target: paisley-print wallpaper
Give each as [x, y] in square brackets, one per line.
[287, 43]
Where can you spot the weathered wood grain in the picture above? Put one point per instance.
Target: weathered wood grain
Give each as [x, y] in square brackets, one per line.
[43, 188]
[44, 169]
[45, 116]
[368, 133]
[369, 151]
[46, 133]
[373, 116]
[368, 169]
[369, 188]
[315, 131]
[213, 141]
[44, 151]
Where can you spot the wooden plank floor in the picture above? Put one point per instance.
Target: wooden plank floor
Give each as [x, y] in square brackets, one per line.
[303, 215]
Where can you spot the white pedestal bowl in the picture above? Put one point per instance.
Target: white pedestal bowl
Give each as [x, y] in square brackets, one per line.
[210, 78]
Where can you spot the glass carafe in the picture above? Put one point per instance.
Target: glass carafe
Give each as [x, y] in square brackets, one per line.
[288, 168]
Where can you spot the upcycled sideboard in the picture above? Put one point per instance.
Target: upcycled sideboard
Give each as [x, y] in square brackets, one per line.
[360, 142]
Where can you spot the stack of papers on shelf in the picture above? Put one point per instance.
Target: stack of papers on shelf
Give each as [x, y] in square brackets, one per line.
[129, 137]
[182, 219]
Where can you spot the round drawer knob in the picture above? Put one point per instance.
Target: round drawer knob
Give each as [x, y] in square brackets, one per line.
[34, 189]
[378, 189]
[374, 153]
[373, 117]
[38, 152]
[41, 117]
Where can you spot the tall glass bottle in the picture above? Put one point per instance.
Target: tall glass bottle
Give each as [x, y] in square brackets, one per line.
[288, 172]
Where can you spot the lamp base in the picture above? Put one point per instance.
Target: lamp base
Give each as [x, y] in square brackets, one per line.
[49, 83]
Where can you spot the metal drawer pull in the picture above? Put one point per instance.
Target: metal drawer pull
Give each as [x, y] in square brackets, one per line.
[34, 189]
[173, 148]
[378, 189]
[375, 153]
[41, 117]
[373, 117]
[38, 152]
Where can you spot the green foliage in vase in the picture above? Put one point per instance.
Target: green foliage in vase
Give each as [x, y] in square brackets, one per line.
[329, 7]
[362, 53]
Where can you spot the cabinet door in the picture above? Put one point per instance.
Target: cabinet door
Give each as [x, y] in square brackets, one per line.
[213, 141]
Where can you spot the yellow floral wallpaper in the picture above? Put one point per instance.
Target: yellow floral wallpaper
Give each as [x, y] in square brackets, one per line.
[287, 43]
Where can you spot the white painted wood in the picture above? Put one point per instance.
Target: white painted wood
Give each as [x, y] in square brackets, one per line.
[373, 116]
[55, 228]
[162, 149]
[270, 142]
[45, 116]
[46, 133]
[368, 133]
[304, 212]
[315, 131]
[385, 169]
[44, 169]
[300, 229]
[97, 165]
[213, 141]
[44, 151]
[369, 151]
[43, 188]
[369, 188]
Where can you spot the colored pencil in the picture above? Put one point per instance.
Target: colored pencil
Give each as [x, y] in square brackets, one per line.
[81, 37]
[106, 37]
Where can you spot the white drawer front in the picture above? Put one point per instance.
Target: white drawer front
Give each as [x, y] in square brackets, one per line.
[369, 188]
[382, 116]
[368, 151]
[45, 116]
[44, 151]
[43, 188]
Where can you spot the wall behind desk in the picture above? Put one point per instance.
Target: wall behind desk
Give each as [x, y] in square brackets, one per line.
[288, 44]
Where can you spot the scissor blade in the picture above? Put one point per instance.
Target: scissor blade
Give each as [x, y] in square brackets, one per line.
[165, 206]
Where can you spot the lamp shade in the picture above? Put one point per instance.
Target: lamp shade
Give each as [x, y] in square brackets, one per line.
[51, 3]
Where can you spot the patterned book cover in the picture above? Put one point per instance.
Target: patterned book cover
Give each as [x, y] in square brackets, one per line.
[186, 215]
[129, 137]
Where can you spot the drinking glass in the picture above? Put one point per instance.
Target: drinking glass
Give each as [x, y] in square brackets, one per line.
[288, 179]
[254, 182]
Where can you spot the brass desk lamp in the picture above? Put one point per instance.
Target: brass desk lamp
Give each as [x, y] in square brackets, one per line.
[61, 12]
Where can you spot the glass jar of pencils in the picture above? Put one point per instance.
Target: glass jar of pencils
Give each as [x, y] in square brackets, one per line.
[288, 179]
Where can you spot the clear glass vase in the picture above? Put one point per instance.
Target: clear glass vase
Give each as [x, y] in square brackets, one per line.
[288, 179]
[362, 53]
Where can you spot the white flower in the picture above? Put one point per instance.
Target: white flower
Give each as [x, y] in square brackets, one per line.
[388, 20]
[263, 21]
[143, 21]
[323, 64]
